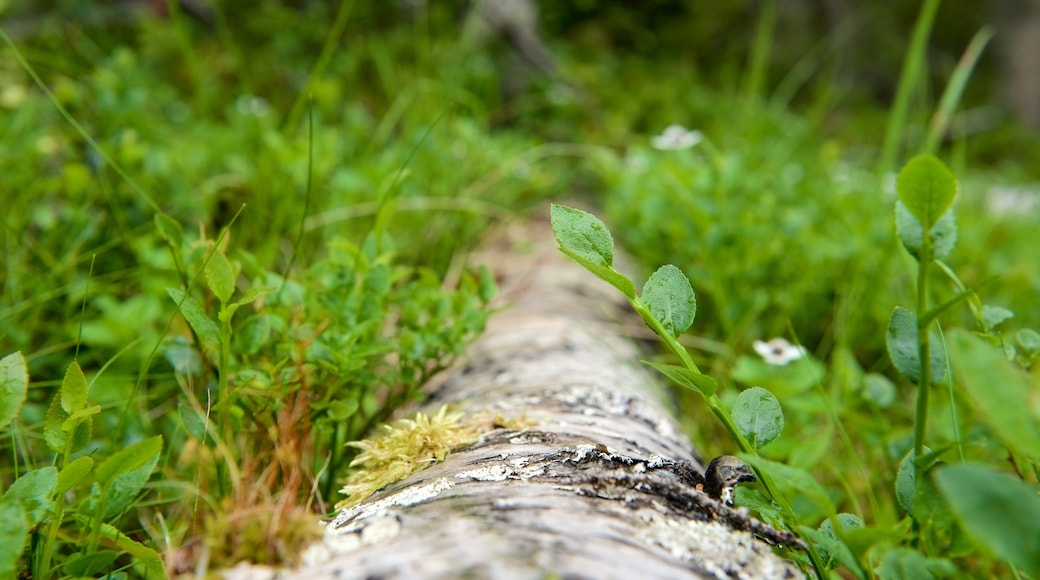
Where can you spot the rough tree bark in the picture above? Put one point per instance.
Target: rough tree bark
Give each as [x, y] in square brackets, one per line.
[604, 486]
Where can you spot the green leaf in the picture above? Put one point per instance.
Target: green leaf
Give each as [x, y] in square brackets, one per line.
[671, 300]
[903, 563]
[341, 410]
[758, 415]
[129, 459]
[56, 433]
[220, 276]
[992, 316]
[151, 564]
[878, 390]
[687, 378]
[194, 422]
[587, 241]
[253, 294]
[1029, 340]
[73, 473]
[793, 480]
[906, 482]
[1005, 396]
[790, 379]
[901, 341]
[207, 330]
[582, 235]
[170, 230]
[33, 492]
[831, 545]
[73, 389]
[13, 536]
[927, 188]
[121, 477]
[1000, 512]
[90, 565]
[488, 287]
[943, 234]
[14, 382]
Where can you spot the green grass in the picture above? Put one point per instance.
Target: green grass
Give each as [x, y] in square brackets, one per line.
[310, 198]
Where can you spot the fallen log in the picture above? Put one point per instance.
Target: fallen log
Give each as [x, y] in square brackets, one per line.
[603, 484]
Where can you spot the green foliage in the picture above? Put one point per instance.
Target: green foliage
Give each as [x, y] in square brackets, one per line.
[14, 381]
[999, 511]
[758, 415]
[926, 188]
[901, 340]
[278, 227]
[670, 298]
[36, 503]
[1004, 395]
[667, 306]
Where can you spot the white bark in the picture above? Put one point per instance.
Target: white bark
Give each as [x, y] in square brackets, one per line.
[602, 487]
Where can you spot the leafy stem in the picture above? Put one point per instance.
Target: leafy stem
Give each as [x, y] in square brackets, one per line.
[667, 305]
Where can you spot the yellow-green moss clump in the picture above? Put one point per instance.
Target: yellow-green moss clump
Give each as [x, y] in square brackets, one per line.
[410, 445]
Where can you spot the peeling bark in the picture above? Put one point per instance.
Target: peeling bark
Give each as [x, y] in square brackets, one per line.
[605, 486]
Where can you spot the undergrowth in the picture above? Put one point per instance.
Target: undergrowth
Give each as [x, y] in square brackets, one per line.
[235, 242]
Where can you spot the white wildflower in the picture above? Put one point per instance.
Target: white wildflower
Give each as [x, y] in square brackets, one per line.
[778, 351]
[675, 137]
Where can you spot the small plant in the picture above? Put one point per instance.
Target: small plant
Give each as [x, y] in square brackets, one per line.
[667, 305]
[67, 510]
[1000, 512]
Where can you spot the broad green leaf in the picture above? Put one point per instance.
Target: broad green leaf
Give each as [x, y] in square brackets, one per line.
[220, 276]
[906, 482]
[1000, 512]
[587, 241]
[671, 300]
[943, 234]
[13, 535]
[684, 377]
[253, 294]
[14, 382]
[90, 565]
[927, 188]
[129, 459]
[758, 415]
[73, 389]
[1005, 396]
[1029, 340]
[170, 229]
[149, 561]
[992, 316]
[904, 563]
[204, 327]
[73, 473]
[33, 491]
[878, 390]
[120, 481]
[56, 433]
[76, 417]
[793, 481]
[901, 340]
[582, 235]
[341, 410]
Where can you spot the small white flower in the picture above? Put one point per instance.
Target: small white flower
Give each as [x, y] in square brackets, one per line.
[778, 351]
[675, 137]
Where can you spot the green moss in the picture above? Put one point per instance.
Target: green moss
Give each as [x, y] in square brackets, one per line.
[410, 445]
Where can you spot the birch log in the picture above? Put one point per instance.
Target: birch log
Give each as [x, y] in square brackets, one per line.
[602, 487]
